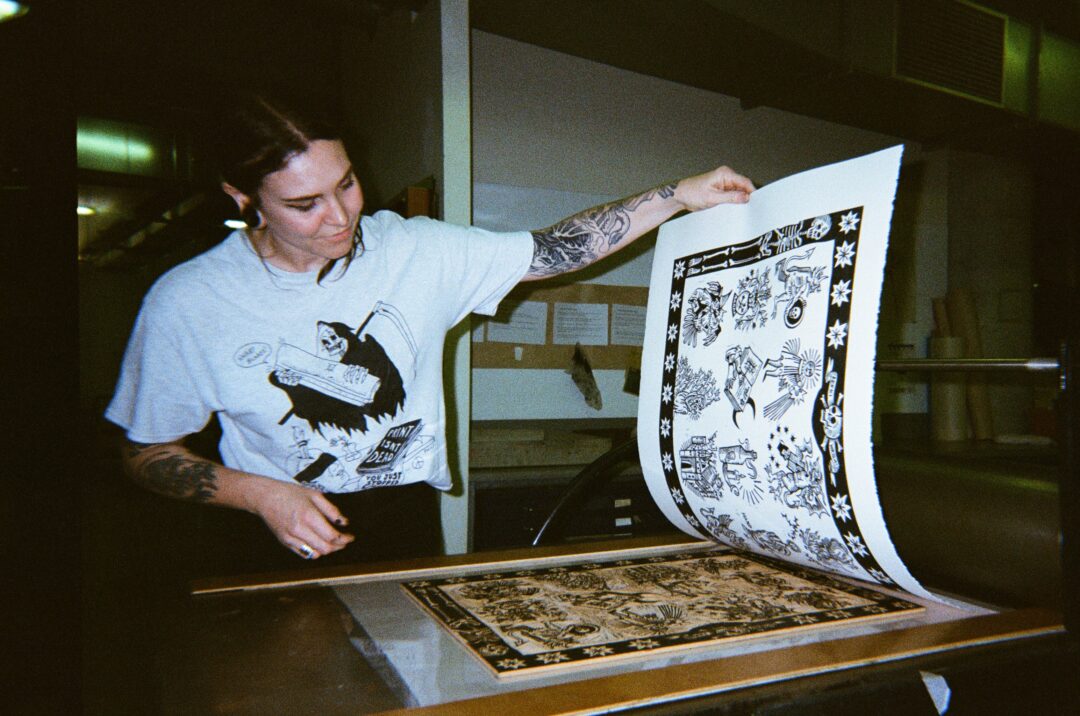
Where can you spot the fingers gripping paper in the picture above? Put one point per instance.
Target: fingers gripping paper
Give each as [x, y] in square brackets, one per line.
[754, 420]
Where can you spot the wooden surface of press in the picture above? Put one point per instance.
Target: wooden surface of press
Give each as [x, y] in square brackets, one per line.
[521, 558]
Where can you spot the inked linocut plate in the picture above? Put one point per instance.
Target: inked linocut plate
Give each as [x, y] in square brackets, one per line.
[536, 620]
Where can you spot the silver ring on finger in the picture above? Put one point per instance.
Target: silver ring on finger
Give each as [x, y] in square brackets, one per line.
[306, 551]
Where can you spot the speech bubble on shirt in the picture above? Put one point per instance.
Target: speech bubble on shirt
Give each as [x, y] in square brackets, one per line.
[252, 354]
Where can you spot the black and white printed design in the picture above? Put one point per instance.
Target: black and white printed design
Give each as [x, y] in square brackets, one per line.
[795, 372]
[530, 620]
[704, 314]
[712, 472]
[695, 389]
[761, 436]
[781, 273]
[743, 368]
[345, 395]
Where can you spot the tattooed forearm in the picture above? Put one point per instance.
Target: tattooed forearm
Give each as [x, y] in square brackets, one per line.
[159, 469]
[664, 191]
[581, 239]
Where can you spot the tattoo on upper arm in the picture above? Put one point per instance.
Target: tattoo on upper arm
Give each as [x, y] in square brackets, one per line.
[582, 238]
[172, 475]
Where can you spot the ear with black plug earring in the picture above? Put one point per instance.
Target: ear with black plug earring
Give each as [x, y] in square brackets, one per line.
[252, 217]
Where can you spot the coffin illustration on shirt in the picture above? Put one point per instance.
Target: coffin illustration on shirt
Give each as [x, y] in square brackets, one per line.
[349, 383]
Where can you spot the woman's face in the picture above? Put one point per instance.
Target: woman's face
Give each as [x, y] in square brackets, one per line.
[311, 207]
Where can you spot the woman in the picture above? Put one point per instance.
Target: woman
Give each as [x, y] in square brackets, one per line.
[316, 337]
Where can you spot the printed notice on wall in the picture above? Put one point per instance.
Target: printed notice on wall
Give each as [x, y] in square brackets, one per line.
[584, 323]
[526, 323]
[627, 324]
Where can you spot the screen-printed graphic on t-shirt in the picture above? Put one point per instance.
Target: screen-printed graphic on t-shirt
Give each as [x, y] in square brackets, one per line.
[354, 381]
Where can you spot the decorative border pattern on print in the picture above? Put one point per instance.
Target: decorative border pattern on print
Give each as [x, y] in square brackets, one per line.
[504, 659]
[843, 227]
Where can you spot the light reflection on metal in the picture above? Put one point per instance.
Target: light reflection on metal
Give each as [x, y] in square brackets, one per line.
[1034, 365]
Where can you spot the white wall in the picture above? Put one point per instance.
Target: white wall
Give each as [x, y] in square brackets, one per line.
[546, 119]
[546, 123]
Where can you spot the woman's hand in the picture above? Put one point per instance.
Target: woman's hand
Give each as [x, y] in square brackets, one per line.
[302, 519]
[720, 186]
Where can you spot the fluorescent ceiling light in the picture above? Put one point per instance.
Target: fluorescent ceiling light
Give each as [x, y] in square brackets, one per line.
[111, 145]
[10, 10]
[235, 224]
[85, 210]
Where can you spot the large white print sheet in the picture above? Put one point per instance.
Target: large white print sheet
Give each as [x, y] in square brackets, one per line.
[754, 420]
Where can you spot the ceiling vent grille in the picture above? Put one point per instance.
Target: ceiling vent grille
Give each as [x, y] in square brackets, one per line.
[951, 45]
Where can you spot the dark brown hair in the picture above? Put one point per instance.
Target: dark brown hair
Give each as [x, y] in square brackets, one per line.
[257, 138]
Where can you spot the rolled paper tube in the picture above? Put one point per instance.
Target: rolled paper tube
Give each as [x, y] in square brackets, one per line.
[948, 394]
[965, 323]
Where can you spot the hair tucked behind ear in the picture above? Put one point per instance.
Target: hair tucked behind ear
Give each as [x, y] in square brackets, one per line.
[257, 137]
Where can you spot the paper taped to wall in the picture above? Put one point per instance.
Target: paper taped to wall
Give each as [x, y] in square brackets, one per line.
[754, 420]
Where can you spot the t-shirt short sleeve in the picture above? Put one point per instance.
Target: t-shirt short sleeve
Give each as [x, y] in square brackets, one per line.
[477, 266]
[157, 399]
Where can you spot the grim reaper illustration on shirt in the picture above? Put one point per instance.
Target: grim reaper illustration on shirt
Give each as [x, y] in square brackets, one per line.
[348, 384]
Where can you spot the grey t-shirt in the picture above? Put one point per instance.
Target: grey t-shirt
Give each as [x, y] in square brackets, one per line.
[337, 385]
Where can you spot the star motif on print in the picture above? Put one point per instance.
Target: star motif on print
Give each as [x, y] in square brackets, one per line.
[598, 651]
[841, 508]
[641, 644]
[669, 362]
[836, 334]
[680, 269]
[841, 293]
[673, 332]
[848, 222]
[677, 495]
[510, 664]
[552, 657]
[845, 252]
[665, 427]
[881, 576]
[666, 393]
[669, 463]
[676, 300]
[855, 544]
